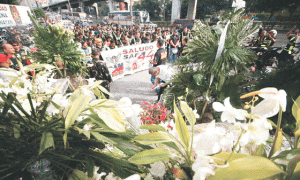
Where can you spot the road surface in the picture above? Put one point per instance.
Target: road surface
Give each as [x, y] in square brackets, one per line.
[135, 86]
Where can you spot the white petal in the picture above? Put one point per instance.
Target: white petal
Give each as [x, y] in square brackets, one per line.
[217, 106]
[282, 99]
[227, 116]
[227, 103]
[268, 90]
[266, 108]
[245, 139]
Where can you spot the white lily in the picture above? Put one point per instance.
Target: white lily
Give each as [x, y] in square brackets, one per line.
[270, 105]
[229, 113]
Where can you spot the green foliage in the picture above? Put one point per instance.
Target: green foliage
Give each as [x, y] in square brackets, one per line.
[284, 77]
[27, 137]
[55, 44]
[155, 8]
[39, 13]
[229, 71]
[252, 167]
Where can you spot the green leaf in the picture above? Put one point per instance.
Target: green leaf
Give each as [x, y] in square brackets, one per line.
[251, 167]
[278, 143]
[151, 156]
[102, 138]
[153, 128]
[78, 175]
[226, 155]
[287, 155]
[187, 111]
[181, 127]
[296, 173]
[260, 151]
[152, 138]
[90, 165]
[46, 141]
[75, 109]
[296, 109]
[112, 118]
[291, 166]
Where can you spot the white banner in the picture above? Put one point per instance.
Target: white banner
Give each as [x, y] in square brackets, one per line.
[11, 15]
[129, 59]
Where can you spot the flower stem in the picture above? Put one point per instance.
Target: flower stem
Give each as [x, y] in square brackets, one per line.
[235, 146]
[276, 133]
[288, 138]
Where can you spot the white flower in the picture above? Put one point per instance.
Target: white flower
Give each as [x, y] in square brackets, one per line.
[87, 127]
[213, 140]
[270, 105]
[256, 132]
[158, 169]
[196, 114]
[202, 166]
[229, 113]
[133, 177]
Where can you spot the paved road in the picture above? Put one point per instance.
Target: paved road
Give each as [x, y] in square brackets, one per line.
[136, 87]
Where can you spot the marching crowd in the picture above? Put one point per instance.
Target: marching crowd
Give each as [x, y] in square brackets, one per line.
[92, 40]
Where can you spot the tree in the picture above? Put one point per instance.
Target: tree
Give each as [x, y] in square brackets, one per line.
[272, 6]
[39, 13]
[210, 7]
[202, 75]
[103, 9]
[13, 2]
[154, 7]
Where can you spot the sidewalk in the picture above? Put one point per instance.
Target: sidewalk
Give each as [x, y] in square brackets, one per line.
[135, 86]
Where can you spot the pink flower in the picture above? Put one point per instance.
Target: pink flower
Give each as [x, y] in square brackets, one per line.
[170, 127]
[144, 103]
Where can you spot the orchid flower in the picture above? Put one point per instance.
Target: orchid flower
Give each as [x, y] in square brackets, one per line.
[270, 105]
[229, 113]
[256, 132]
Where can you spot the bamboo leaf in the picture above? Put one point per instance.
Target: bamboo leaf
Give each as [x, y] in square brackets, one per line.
[181, 127]
[153, 127]
[187, 111]
[46, 141]
[90, 165]
[151, 156]
[278, 142]
[78, 175]
[251, 167]
[291, 166]
[153, 138]
[111, 118]
[75, 109]
[102, 138]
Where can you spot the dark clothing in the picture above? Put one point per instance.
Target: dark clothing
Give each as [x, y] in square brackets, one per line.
[136, 41]
[185, 35]
[174, 39]
[160, 57]
[99, 71]
[144, 41]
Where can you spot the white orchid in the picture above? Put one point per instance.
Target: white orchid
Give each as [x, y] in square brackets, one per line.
[202, 166]
[213, 139]
[229, 113]
[158, 169]
[256, 132]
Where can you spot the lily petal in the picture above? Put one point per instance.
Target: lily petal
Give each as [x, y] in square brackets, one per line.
[217, 106]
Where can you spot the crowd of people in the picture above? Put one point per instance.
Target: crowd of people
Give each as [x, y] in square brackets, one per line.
[92, 40]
